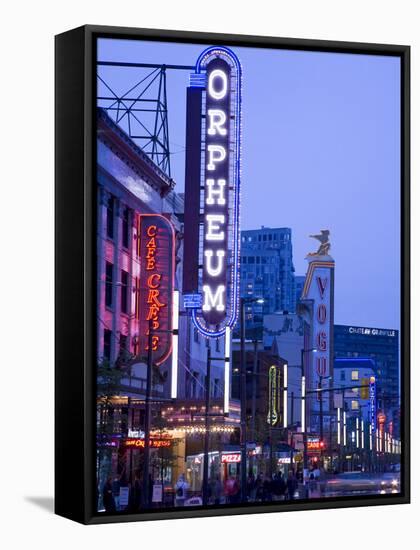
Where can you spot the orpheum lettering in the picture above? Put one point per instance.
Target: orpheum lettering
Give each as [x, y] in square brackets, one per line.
[156, 284]
[216, 213]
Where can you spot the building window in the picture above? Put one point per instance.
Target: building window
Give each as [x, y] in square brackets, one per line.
[109, 268]
[110, 218]
[124, 291]
[107, 344]
[194, 384]
[354, 405]
[355, 375]
[125, 228]
[342, 375]
[137, 297]
[123, 344]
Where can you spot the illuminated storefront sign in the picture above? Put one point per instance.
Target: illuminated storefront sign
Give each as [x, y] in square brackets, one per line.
[314, 444]
[154, 443]
[230, 458]
[218, 74]
[283, 460]
[156, 252]
[372, 331]
[372, 402]
[273, 395]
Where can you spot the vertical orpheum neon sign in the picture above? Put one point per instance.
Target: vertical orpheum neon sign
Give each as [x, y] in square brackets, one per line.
[156, 252]
[216, 192]
[218, 79]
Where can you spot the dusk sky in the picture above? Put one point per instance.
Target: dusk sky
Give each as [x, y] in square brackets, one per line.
[321, 150]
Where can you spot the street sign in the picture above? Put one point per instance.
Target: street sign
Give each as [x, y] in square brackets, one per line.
[192, 301]
[157, 493]
[338, 400]
[364, 390]
[124, 494]
[194, 501]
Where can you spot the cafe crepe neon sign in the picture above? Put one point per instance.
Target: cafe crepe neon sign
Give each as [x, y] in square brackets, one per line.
[139, 443]
[220, 203]
[156, 251]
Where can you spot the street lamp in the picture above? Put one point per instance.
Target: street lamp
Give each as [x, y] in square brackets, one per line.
[243, 302]
[321, 405]
[285, 389]
[303, 409]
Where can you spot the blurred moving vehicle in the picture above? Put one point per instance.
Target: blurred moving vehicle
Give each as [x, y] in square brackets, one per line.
[357, 483]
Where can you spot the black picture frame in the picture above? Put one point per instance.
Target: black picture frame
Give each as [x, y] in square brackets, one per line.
[75, 320]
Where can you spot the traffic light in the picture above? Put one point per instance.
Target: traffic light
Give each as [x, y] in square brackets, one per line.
[364, 390]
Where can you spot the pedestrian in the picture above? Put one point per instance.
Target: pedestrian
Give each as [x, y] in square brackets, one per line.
[313, 486]
[267, 489]
[107, 496]
[216, 490]
[250, 486]
[136, 494]
[232, 490]
[292, 485]
[259, 487]
[322, 481]
[116, 484]
[151, 483]
[279, 486]
[181, 488]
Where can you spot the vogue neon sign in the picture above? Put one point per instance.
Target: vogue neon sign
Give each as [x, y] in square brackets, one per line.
[220, 74]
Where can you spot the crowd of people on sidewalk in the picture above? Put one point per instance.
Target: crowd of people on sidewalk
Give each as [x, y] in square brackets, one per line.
[259, 488]
[265, 488]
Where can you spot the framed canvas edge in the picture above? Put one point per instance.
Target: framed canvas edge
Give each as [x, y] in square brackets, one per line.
[91, 33]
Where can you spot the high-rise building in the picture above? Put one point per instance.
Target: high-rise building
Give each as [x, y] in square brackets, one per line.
[299, 284]
[382, 346]
[267, 272]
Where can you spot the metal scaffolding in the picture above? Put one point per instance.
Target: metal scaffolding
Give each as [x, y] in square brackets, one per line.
[142, 110]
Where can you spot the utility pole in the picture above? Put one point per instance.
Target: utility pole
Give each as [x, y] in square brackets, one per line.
[303, 420]
[254, 388]
[243, 404]
[271, 434]
[321, 411]
[292, 409]
[321, 418]
[207, 433]
[145, 496]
